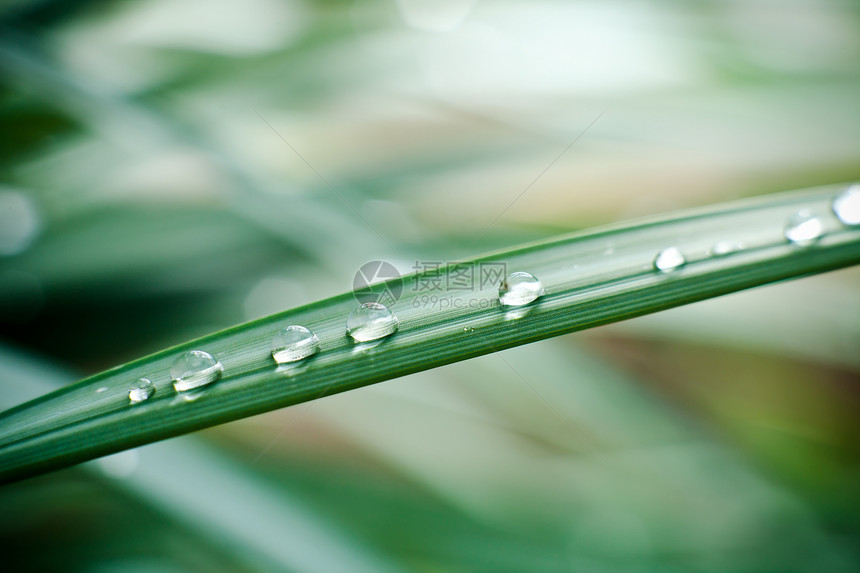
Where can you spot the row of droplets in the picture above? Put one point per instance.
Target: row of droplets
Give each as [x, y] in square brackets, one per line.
[803, 229]
[370, 321]
[373, 321]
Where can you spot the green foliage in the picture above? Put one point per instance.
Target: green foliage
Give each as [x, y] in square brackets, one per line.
[169, 169]
[591, 279]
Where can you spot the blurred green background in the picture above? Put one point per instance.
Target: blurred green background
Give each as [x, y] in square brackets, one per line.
[169, 168]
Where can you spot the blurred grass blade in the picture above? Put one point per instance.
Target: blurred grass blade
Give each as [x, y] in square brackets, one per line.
[590, 278]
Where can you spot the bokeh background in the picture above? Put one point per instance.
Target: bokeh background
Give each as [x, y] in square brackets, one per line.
[169, 168]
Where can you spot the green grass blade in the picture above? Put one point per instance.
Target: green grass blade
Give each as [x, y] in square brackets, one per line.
[591, 279]
[251, 512]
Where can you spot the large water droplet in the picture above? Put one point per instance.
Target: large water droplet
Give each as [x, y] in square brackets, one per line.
[846, 206]
[193, 369]
[142, 390]
[520, 288]
[294, 343]
[669, 259]
[371, 321]
[803, 228]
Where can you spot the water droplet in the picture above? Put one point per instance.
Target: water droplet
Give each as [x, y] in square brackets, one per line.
[468, 329]
[803, 228]
[519, 289]
[371, 321]
[294, 343]
[723, 248]
[846, 206]
[193, 369]
[142, 390]
[669, 259]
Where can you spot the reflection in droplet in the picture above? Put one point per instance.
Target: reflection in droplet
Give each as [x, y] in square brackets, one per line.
[803, 228]
[371, 321]
[294, 343]
[669, 259]
[846, 206]
[189, 396]
[193, 369]
[516, 313]
[142, 390]
[520, 288]
[291, 368]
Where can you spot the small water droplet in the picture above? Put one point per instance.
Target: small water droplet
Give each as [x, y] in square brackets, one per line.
[669, 259]
[520, 288]
[468, 329]
[803, 228]
[142, 390]
[294, 343]
[193, 369]
[371, 321]
[846, 206]
[723, 248]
